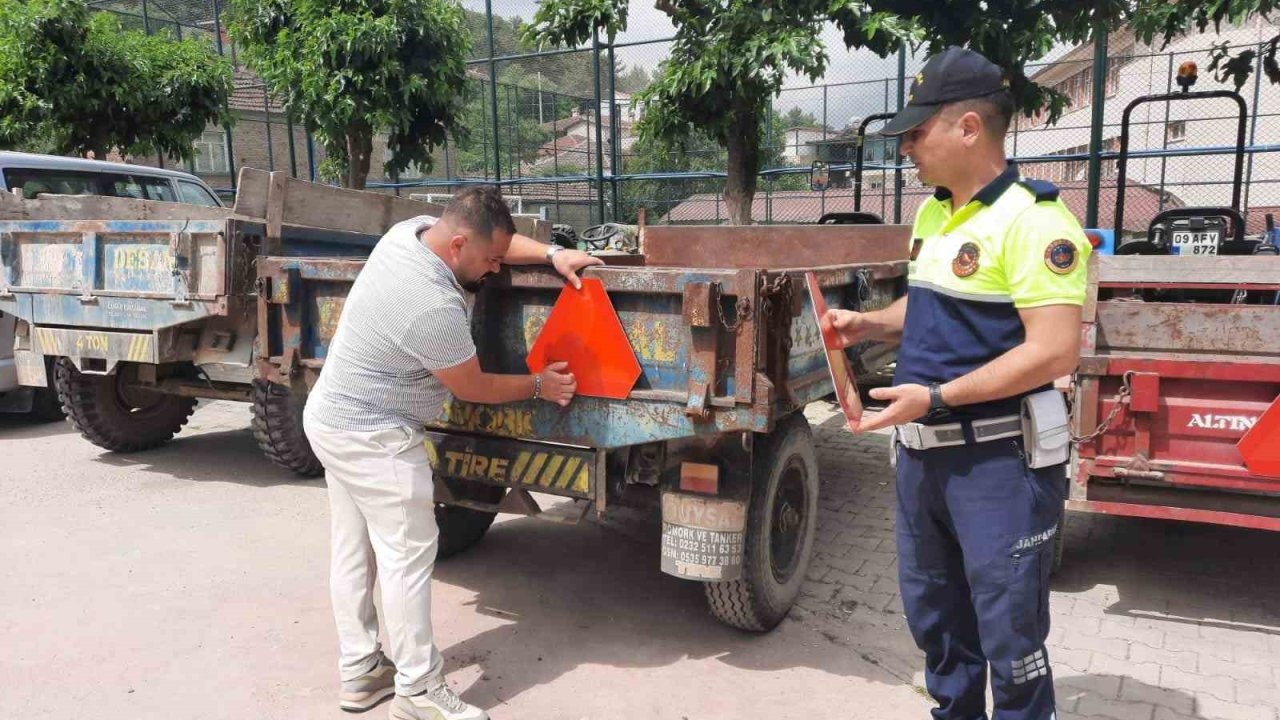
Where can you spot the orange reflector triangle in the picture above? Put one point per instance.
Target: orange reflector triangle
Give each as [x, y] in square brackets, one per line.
[1260, 447]
[584, 331]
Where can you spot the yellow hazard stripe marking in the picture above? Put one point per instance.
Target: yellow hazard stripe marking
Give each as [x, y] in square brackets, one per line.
[582, 482]
[566, 475]
[548, 478]
[532, 476]
[137, 345]
[521, 461]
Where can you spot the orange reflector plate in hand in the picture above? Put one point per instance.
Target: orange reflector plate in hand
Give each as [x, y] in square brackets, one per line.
[584, 331]
[1260, 447]
[837, 361]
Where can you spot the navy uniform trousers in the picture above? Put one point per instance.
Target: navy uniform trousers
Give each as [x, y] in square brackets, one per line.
[976, 530]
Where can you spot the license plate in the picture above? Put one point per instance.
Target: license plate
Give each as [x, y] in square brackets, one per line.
[1186, 242]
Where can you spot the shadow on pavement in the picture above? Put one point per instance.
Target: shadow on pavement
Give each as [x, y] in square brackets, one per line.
[1091, 696]
[593, 594]
[1174, 571]
[21, 426]
[230, 456]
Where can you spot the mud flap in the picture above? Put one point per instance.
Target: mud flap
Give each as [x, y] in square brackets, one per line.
[702, 537]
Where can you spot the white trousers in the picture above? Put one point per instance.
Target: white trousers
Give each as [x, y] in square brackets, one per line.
[383, 527]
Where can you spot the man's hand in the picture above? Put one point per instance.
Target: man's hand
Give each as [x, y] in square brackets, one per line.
[569, 262]
[842, 328]
[558, 384]
[907, 403]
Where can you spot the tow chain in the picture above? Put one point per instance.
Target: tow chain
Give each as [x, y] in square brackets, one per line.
[742, 308]
[1118, 402]
[779, 289]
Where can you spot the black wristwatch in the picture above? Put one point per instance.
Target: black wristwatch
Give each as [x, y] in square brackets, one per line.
[935, 398]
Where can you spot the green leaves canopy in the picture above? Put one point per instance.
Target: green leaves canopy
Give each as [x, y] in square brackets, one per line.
[72, 81]
[349, 69]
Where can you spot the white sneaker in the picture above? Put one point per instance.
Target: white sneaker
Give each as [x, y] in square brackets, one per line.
[369, 689]
[437, 703]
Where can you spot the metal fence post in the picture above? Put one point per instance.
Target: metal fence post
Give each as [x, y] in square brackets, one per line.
[293, 153]
[311, 157]
[614, 132]
[493, 92]
[897, 173]
[1253, 130]
[1095, 132]
[595, 52]
[266, 115]
[822, 195]
[1164, 140]
[226, 127]
[768, 135]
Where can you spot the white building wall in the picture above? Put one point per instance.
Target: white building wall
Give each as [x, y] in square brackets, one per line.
[1207, 123]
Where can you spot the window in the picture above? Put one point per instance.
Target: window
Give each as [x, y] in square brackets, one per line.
[1067, 170]
[1176, 131]
[35, 182]
[196, 195]
[1113, 72]
[211, 153]
[1079, 88]
[140, 187]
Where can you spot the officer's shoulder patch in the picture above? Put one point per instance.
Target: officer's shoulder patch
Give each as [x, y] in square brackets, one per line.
[1061, 256]
[1044, 190]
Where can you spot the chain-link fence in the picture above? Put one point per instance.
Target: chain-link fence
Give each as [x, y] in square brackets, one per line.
[558, 129]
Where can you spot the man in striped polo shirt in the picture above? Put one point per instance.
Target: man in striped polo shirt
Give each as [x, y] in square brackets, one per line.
[402, 346]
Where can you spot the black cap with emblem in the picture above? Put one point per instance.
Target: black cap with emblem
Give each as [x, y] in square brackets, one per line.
[952, 75]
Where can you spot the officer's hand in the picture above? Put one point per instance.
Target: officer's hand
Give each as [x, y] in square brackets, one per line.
[558, 384]
[569, 262]
[907, 403]
[842, 328]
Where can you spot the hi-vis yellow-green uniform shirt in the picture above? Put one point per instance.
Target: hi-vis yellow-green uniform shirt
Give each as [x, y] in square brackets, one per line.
[1014, 246]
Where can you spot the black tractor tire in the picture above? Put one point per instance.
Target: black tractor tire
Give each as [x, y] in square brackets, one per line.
[564, 236]
[277, 426]
[778, 543]
[461, 527]
[117, 418]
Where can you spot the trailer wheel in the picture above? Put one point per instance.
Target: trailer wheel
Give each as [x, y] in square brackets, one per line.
[461, 527]
[781, 520]
[112, 415]
[277, 426]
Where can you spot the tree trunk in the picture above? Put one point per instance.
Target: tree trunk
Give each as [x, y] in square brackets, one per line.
[743, 145]
[359, 150]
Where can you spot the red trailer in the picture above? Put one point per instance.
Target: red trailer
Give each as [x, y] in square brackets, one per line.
[1180, 361]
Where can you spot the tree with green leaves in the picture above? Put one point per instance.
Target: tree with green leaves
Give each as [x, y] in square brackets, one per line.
[519, 133]
[795, 117]
[727, 61]
[356, 68]
[729, 58]
[697, 152]
[73, 81]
